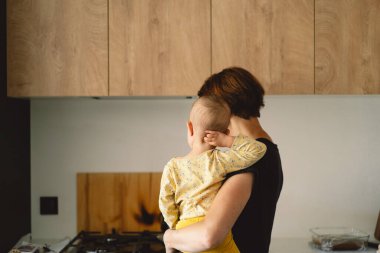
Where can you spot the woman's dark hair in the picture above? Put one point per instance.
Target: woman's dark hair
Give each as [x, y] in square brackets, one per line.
[238, 88]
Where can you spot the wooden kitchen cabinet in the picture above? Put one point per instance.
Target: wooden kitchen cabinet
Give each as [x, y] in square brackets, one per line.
[169, 47]
[159, 48]
[57, 48]
[347, 47]
[273, 39]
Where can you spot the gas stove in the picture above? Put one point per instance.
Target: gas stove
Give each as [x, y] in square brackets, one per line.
[127, 242]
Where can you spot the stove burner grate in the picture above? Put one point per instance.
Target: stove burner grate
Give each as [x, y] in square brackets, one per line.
[126, 242]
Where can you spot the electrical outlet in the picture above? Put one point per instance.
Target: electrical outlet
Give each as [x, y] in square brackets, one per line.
[48, 205]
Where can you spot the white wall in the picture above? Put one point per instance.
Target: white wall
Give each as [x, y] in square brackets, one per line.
[329, 147]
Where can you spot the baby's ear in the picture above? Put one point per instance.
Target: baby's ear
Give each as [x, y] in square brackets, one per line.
[190, 128]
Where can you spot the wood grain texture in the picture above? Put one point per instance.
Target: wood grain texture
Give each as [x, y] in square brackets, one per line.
[347, 49]
[159, 48]
[57, 48]
[120, 201]
[273, 39]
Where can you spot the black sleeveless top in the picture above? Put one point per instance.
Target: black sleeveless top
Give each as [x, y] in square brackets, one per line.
[252, 230]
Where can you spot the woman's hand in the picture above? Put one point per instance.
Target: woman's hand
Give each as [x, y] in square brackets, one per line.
[170, 250]
[218, 139]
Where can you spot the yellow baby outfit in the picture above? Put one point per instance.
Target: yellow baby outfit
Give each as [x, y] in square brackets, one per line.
[189, 185]
[227, 246]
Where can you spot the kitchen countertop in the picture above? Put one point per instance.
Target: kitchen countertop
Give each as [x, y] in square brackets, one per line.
[278, 245]
[55, 245]
[300, 245]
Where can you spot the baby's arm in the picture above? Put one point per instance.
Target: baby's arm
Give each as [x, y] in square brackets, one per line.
[166, 200]
[244, 151]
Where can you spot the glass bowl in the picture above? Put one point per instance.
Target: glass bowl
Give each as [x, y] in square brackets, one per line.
[338, 238]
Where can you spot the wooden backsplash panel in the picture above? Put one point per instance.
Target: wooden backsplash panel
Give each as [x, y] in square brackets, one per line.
[121, 201]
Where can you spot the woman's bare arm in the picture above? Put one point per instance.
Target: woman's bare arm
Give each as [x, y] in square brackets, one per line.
[225, 209]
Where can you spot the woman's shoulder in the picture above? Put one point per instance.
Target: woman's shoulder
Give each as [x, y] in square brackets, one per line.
[266, 140]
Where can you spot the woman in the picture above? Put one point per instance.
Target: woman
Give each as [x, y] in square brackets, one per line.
[246, 203]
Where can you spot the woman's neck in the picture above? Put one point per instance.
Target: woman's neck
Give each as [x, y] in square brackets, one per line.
[248, 127]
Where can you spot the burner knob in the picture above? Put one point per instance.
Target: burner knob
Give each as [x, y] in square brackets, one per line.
[110, 240]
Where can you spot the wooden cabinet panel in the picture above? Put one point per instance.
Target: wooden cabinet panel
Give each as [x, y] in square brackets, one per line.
[57, 48]
[159, 47]
[121, 201]
[169, 47]
[347, 45]
[274, 39]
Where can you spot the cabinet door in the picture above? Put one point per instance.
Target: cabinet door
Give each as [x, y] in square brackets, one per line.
[274, 39]
[159, 47]
[347, 46]
[57, 48]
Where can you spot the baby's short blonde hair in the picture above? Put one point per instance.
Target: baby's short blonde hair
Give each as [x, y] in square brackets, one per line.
[210, 113]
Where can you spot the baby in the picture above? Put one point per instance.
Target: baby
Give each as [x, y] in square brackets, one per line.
[190, 183]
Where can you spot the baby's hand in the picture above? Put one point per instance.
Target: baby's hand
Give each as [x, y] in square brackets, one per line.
[218, 139]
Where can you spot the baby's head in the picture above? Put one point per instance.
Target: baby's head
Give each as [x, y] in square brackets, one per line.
[208, 113]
